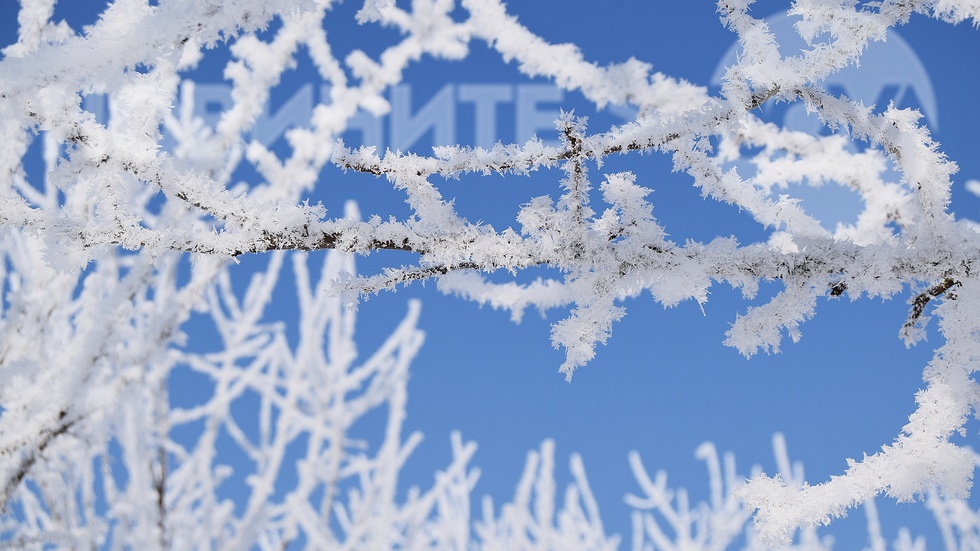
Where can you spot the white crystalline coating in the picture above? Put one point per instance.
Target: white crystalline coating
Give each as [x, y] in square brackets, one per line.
[97, 285]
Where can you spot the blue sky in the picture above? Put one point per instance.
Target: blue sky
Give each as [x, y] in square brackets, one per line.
[664, 383]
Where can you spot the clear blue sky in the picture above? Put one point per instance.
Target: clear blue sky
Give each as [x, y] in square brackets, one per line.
[664, 383]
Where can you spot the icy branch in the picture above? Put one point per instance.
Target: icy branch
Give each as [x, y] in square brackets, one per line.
[109, 254]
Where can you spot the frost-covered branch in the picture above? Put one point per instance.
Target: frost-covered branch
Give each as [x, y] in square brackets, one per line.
[109, 254]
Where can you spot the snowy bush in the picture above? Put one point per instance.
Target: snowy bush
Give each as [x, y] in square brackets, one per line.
[122, 243]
